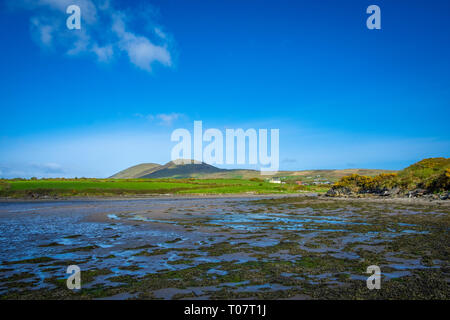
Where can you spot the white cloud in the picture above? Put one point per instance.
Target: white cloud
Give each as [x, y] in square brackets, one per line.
[160, 33]
[104, 54]
[42, 32]
[166, 119]
[141, 51]
[105, 32]
[289, 160]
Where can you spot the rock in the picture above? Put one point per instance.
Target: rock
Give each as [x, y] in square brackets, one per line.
[339, 192]
[445, 196]
[395, 191]
[417, 193]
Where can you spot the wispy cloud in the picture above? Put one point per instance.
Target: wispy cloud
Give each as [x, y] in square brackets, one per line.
[166, 119]
[288, 160]
[27, 170]
[98, 153]
[48, 167]
[105, 32]
[141, 51]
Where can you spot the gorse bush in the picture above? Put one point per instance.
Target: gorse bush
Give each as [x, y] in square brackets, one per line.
[358, 183]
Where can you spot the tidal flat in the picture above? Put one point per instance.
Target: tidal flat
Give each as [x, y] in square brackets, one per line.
[295, 247]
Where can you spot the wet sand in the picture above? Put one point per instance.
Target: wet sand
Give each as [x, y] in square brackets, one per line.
[173, 247]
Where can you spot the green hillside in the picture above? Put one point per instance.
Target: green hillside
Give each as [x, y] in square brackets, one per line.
[424, 177]
[136, 171]
[432, 174]
[186, 170]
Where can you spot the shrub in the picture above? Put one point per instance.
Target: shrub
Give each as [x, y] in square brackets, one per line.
[440, 183]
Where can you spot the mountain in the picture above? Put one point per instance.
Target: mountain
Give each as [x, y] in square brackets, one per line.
[181, 169]
[201, 170]
[136, 171]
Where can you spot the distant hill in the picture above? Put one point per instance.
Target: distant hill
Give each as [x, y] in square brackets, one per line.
[182, 170]
[176, 169]
[136, 172]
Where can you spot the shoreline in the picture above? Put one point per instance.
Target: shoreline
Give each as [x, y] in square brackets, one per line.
[318, 197]
[155, 196]
[399, 200]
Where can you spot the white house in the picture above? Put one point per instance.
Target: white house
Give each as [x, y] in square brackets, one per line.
[275, 180]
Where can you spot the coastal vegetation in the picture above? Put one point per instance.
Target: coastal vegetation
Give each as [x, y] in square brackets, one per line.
[428, 176]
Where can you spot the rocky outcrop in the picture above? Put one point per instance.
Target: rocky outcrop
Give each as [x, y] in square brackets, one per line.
[391, 193]
[339, 192]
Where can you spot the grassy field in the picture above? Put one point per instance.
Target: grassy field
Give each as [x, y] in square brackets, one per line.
[111, 187]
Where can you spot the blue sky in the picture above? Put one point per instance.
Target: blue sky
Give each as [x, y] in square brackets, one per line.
[94, 101]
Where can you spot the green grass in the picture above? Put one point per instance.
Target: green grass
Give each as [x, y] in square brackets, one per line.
[95, 184]
[104, 187]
